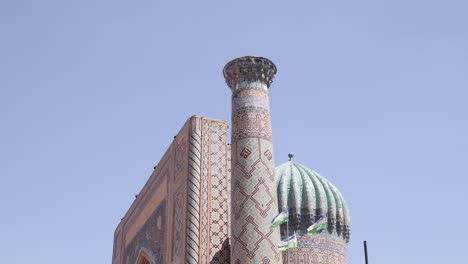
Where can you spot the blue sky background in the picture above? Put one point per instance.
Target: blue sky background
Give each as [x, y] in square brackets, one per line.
[371, 94]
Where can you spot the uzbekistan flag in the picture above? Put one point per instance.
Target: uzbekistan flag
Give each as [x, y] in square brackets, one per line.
[290, 242]
[280, 219]
[321, 224]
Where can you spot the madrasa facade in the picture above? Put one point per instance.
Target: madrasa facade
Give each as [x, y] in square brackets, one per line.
[211, 201]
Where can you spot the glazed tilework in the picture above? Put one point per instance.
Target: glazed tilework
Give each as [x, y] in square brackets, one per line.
[194, 192]
[181, 158]
[205, 203]
[317, 249]
[251, 123]
[220, 195]
[250, 99]
[211, 202]
[150, 238]
[253, 203]
[178, 226]
[308, 196]
[208, 200]
[253, 186]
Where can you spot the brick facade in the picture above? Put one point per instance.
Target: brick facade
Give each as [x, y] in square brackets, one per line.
[181, 214]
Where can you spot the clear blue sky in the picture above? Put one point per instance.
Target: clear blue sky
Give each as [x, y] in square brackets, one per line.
[371, 94]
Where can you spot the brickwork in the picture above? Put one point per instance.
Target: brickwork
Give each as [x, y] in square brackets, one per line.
[181, 214]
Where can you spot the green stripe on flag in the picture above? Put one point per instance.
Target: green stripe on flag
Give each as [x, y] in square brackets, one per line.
[280, 219]
[317, 228]
[290, 242]
[321, 224]
[288, 246]
[280, 222]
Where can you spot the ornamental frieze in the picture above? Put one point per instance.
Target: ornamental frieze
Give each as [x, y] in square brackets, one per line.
[251, 124]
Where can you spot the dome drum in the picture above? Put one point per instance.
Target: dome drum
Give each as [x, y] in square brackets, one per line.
[303, 218]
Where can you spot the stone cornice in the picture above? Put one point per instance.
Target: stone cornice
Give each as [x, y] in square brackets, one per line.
[249, 69]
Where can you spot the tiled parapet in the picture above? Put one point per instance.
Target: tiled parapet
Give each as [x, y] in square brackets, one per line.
[253, 187]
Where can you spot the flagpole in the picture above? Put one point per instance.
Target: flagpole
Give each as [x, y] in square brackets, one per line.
[287, 234]
[326, 229]
[365, 252]
[295, 255]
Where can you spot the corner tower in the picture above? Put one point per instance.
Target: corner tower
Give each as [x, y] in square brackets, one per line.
[253, 186]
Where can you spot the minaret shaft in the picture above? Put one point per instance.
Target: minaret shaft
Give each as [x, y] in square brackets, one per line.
[253, 187]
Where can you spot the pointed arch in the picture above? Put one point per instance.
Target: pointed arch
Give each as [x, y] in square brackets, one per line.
[143, 258]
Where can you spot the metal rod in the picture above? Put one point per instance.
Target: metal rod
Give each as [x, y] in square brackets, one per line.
[295, 255]
[287, 235]
[365, 252]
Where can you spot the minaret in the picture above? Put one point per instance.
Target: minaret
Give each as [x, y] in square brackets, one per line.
[253, 188]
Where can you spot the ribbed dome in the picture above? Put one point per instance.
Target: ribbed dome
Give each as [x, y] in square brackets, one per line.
[308, 196]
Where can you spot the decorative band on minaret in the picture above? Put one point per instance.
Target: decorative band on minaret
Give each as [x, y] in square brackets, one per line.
[253, 187]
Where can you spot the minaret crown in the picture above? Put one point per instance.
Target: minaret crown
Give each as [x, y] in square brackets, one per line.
[249, 69]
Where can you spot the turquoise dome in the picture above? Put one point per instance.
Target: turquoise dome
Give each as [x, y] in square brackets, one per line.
[309, 196]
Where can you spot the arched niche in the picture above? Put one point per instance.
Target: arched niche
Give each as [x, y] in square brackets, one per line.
[143, 259]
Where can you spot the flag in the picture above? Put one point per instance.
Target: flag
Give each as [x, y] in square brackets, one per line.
[321, 224]
[290, 242]
[280, 219]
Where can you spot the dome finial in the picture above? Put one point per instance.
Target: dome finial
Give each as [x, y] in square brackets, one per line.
[290, 155]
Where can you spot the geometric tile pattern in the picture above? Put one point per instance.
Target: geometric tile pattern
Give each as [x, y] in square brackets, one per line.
[253, 204]
[182, 213]
[208, 201]
[150, 238]
[177, 240]
[205, 204]
[253, 186]
[320, 248]
[181, 158]
[219, 203]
